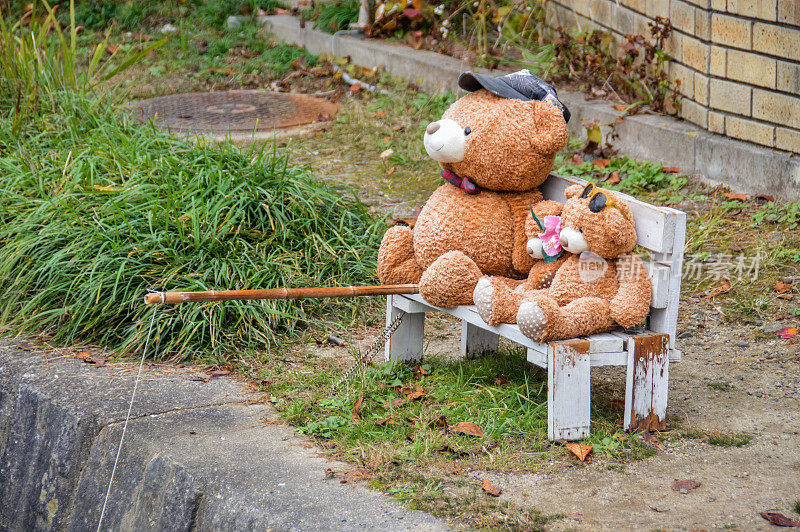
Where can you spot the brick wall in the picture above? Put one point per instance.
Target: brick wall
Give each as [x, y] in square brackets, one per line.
[738, 61]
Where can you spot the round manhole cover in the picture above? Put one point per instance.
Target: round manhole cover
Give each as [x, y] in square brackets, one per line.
[233, 111]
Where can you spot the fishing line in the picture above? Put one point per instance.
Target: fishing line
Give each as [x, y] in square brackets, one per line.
[127, 418]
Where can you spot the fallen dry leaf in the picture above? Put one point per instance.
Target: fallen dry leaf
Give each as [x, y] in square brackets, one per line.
[440, 422]
[782, 287]
[391, 170]
[788, 332]
[486, 486]
[670, 170]
[386, 140]
[330, 473]
[416, 394]
[687, 485]
[601, 163]
[581, 451]
[397, 403]
[355, 87]
[356, 408]
[779, 519]
[219, 373]
[500, 380]
[613, 179]
[83, 355]
[721, 289]
[619, 107]
[380, 114]
[420, 370]
[467, 427]
[448, 449]
[764, 198]
[387, 421]
[576, 159]
[649, 438]
[736, 196]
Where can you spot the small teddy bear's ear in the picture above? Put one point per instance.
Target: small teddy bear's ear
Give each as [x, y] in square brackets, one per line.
[573, 191]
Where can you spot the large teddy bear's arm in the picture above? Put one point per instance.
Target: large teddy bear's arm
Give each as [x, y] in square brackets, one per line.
[632, 302]
[396, 262]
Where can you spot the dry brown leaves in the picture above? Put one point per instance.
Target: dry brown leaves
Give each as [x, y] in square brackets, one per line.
[356, 408]
[467, 427]
[723, 288]
[581, 451]
[784, 290]
[652, 440]
[779, 519]
[601, 163]
[486, 486]
[687, 485]
[613, 179]
[736, 196]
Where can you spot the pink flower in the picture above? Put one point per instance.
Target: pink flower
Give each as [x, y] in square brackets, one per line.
[550, 238]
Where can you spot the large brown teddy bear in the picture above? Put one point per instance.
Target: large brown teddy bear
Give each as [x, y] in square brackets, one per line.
[495, 146]
[599, 287]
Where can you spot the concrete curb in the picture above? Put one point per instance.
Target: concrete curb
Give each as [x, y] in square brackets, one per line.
[197, 456]
[716, 159]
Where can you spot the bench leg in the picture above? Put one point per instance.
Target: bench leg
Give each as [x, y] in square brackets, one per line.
[475, 341]
[647, 383]
[407, 342]
[568, 390]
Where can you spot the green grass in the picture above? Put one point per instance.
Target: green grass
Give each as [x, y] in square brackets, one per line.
[499, 393]
[97, 209]
[409, 448]
[334, 16]
[797, 506]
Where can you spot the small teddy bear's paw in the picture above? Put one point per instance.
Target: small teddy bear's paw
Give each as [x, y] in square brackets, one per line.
[532, 320]
[482, 296]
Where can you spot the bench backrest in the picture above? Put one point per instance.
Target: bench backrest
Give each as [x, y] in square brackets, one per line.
[662, 231]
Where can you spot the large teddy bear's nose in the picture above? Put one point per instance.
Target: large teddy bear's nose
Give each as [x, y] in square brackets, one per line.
[445, 141]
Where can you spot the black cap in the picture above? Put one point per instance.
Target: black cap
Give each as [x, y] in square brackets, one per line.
[522, 85]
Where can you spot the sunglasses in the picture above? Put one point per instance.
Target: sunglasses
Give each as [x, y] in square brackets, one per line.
[598, 200]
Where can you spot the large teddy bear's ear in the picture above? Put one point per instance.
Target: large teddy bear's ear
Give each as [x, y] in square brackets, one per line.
[551, 134]
[573, 191]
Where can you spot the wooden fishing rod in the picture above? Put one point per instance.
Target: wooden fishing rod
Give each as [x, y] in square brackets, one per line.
[317, 292]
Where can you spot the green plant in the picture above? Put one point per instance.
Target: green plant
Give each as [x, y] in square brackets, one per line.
[96, 210]
[39, 60]
[334, 16]
[788, 214]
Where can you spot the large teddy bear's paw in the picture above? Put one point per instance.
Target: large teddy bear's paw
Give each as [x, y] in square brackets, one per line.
[450, 280]
[537, 319]
[396, 262]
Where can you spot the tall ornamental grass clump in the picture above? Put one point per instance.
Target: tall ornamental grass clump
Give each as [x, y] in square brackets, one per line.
[95, 209]
[40, 61]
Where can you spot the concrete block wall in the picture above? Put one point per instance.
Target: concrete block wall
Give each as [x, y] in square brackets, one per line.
[736, 62]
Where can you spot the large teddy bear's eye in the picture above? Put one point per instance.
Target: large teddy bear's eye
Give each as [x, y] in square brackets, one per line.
[467, 130]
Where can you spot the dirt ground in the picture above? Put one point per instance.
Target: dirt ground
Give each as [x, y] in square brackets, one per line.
[756, 391]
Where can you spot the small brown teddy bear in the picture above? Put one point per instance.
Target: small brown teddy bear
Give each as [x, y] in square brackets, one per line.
[599, 286]
[495, 146]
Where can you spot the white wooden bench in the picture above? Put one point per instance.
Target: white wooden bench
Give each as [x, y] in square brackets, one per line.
[645, 352]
